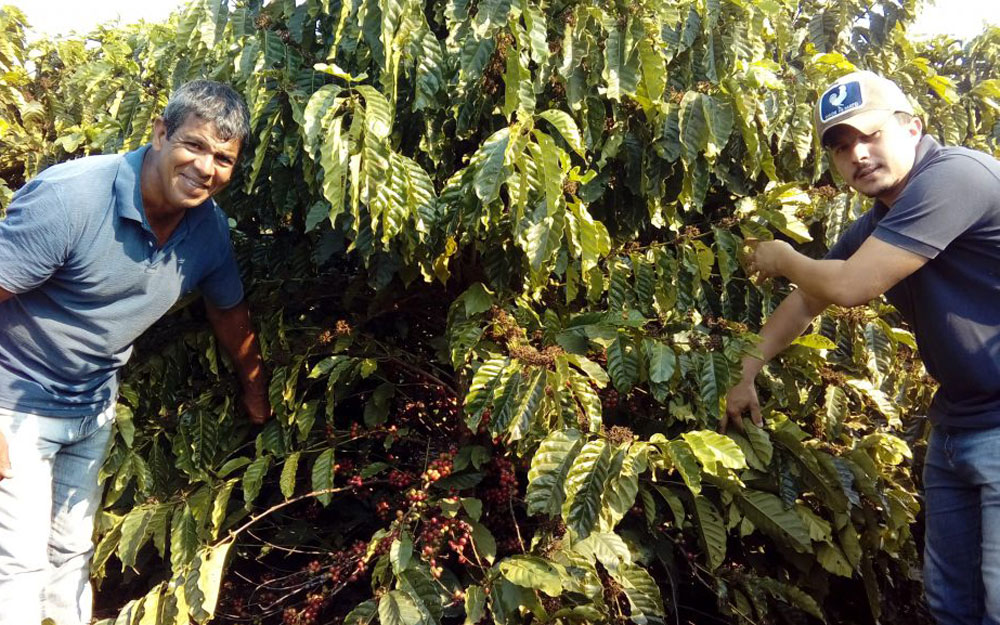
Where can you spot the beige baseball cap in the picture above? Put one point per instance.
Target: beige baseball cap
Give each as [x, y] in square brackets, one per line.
[863, 100]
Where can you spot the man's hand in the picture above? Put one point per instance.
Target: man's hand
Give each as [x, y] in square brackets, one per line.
[257, 407]
[739, 400]
[5, 470]
[767, 258]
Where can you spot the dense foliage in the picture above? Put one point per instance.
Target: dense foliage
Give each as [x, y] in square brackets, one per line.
[493, 248]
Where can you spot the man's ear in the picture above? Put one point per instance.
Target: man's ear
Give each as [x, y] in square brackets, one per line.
[159, 133]
[916, 127]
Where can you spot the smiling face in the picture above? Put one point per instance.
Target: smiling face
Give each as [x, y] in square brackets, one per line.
[878, 163]
[187, 168]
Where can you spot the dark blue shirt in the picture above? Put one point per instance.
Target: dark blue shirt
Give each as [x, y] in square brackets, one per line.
[78, 252]
[948, 212]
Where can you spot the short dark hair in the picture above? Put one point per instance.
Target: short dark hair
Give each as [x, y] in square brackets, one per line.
[213, 102]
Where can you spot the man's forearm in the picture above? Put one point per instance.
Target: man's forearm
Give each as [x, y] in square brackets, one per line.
[822, 280]
[785, 324]
[235, 333]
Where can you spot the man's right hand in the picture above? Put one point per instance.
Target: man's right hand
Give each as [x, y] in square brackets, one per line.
[5, 471]
[740, 399]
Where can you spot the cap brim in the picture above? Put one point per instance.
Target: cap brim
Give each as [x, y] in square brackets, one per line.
[865, 122]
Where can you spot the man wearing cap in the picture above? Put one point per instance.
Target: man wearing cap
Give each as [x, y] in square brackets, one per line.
[93, 252]
[931, 244]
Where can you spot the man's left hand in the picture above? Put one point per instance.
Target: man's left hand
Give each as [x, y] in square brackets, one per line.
[767, 258]
[257, 407]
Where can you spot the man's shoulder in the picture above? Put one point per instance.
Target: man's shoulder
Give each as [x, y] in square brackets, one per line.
[87, 170]
[961, 166]
[88, 181]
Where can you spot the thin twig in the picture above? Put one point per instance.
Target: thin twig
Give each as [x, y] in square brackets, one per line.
[233, 533]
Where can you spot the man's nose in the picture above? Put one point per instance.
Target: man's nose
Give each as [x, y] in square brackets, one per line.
[205, 164]
[859, 151]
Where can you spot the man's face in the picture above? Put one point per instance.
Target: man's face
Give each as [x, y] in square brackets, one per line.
[876, 164]
[194, 163]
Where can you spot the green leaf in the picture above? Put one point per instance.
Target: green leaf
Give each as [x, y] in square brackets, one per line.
[686, 464]
[484, 384]
[768, 514]
[134, 533]
[477, 299]
[705, 125]
[484, 543]
[475, 604]
[183, 538]
[715, 451]
[607, 548]
[623, 486]
[815, 341]
[210, 573]
[378, 113]
[711, 531]
[585, 487]
[549, 467]
[534, 572]
[833, 560]
[287, 482]
[791, 595]
[714, 375]
[564, 123]
[322, 476]
[253, 478]
[623, 363]
[362, 614]
[488, 165]
[400, 552]
[662, 361]
[527, 405]
[397, 608]
[334, 157]
[643, 595]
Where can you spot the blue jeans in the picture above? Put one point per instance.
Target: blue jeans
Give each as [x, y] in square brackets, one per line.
[962, 549]
[47, 516]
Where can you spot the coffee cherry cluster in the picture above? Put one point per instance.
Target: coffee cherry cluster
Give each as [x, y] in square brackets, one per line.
[400, 479]
[506, 486]
[609, 399]
[308, 614]
[438, 468]
[438, 532]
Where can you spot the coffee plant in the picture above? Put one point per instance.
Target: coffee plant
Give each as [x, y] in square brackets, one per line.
[494, 251]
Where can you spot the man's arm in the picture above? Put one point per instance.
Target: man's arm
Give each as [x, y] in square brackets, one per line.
[235, 333]
[785, 324]
[876, 267]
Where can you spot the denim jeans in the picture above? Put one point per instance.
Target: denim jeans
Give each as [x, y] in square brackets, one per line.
[47, 516]
[962, 554]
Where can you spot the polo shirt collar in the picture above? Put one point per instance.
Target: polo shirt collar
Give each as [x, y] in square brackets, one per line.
[127, 189]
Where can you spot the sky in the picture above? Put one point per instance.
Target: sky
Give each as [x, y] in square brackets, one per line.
[962, 18]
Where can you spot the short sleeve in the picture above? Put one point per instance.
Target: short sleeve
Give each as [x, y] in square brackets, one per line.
[853, 237]
[939, 204]
[35, 237]
[222, 286]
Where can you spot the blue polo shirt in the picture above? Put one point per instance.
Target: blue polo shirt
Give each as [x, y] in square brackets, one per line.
[88, 278]
[948, 212]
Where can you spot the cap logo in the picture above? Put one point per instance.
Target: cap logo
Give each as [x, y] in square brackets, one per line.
[840, 99]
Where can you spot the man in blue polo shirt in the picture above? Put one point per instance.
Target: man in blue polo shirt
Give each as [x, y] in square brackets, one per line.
[93, 252]
[931, 244]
